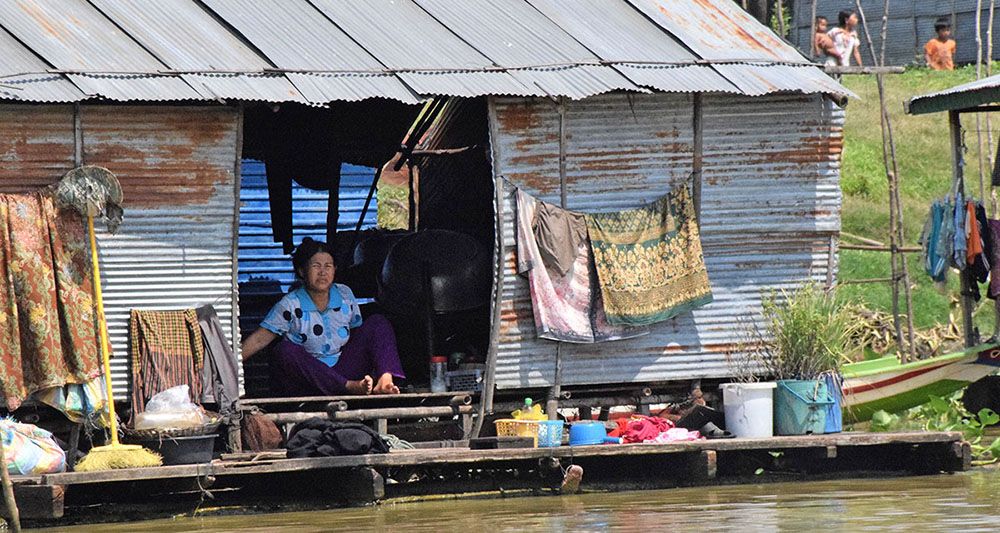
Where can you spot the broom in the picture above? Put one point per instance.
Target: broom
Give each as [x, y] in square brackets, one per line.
[93, 190]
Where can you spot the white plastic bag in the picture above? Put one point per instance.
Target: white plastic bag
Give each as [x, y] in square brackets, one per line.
[29, 449]
[171, 409]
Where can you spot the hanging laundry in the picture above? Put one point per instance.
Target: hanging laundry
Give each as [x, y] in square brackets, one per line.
[649, 260]
[979, 264]
[79, 402]
[566, 308]
[48, 329]
[994, 256]
[167, 351]
[935, 262]
[220, 374]
[959, 247]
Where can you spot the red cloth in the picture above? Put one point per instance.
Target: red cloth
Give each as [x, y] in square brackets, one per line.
[640, 428]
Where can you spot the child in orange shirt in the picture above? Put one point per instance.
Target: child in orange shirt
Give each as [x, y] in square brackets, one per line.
[940, 51]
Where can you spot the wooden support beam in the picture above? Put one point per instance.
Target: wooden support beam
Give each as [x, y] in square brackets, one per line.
[360, 415]
[40, 501]
[864, 70]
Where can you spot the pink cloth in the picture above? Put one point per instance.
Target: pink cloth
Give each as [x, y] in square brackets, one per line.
[675, 435]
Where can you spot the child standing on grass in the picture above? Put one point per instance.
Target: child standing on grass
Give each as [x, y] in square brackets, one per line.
[939, 52]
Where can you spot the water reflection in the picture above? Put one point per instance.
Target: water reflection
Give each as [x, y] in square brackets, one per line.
[962, 502]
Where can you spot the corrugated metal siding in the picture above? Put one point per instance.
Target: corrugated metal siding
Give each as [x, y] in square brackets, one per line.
[176, 166]
[72, 35]
[260, 256]
[721, 31]
[186, 37]
[911, 25]
[518, 35]
[401, 35]
[617, 34]
[770, 204]
[314, 43]
[15, 85]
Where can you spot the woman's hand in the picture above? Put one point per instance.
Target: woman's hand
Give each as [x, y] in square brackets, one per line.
[257, 341]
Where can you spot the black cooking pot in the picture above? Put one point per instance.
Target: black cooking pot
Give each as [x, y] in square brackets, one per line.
[459, 269]
[365, 262]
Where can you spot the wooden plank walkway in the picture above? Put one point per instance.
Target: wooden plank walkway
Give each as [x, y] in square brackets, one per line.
[269, 464]
[270, 478]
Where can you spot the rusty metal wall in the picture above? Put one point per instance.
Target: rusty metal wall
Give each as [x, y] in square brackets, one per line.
[177, 166]
[770, 211]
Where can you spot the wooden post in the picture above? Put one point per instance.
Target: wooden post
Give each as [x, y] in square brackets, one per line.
[555, 391]
[697, 161]
[957, 169]
[781, 19]
[812, 31]
[13, 516]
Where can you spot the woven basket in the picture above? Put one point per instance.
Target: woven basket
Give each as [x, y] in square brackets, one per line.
[154, 433]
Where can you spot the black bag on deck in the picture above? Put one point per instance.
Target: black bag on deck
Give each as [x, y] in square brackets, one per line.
[318, 437]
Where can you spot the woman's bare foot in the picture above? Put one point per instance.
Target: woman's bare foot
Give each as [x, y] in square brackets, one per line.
[360, 386]
[385, 385]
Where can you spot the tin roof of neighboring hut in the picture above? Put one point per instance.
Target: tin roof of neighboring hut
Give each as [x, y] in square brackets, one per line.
[319, 51]
[967, 95]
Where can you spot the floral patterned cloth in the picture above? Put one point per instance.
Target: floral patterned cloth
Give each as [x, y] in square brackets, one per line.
[48, 327]
[649, 260]
[566, 307]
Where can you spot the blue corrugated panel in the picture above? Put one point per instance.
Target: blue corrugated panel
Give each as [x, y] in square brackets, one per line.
[260, 256]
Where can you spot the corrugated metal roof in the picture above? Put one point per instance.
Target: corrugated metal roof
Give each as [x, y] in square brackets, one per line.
[30, 87]
[72, 35]
[318, 51]
[403, 36]
[519, 35]
[623, 35]
[182, 35]
[770, 209]
[740, 46]
[972, 94]
[314, 44]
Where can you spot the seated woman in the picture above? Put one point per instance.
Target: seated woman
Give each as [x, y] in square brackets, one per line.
[325, 348]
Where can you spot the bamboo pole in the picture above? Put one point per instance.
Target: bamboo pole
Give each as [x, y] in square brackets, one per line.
[13, 515]
[979, 124]
[812, 31]
[781, 20]
[989, 123]
[898, 266]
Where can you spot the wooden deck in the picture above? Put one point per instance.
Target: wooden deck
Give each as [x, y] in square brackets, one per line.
[252, 480]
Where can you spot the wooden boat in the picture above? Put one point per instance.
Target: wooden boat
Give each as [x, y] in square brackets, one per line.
[885, 384]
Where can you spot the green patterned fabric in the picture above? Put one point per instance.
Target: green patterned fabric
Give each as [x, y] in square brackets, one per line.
[649, 260]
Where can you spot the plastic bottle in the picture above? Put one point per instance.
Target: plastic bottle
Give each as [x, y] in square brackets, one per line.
[439, 369]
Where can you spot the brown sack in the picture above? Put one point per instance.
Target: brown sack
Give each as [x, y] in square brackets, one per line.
[260, 434]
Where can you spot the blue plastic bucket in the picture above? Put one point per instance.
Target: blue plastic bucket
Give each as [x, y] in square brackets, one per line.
[834, 415]
[550, 433]
[800, 407]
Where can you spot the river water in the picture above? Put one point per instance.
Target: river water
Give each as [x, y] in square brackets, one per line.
[968, 501]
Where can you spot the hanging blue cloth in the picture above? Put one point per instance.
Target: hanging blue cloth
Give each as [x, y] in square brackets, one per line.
[935, 263]
[958, 252]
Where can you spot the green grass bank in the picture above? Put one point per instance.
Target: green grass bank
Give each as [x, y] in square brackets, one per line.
[924, 161]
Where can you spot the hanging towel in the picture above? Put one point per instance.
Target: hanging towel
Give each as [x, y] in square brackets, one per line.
[566, 308]
[48, 328]
[167, 351]
[649, 260]
[959, 247]
[219, 375]
[935, 262]
[994, 255]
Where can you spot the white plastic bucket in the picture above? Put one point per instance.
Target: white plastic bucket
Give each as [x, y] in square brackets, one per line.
[749, 409]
